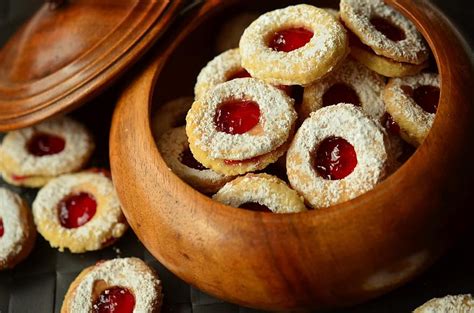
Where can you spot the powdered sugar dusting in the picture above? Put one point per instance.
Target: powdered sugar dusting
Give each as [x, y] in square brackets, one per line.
[448, 304]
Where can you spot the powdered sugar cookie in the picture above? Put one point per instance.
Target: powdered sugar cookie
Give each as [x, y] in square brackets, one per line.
[293, 46]
[260, 192]
[351, 83]
[412, 102]
[80, 212]
[385, 30]
[32, 156]
[172, 114]
[17, 230]
[244, 123]
[338, 154]
[174, 148]
[448, 304]
[118, 285]
[231, 31]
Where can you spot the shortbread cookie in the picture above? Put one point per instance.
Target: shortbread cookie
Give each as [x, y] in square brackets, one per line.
[174, 148]
[118, 285]
[412, 102]
[338, 154]
[261, 192]
[32, 156]
[293, 46]
[172, 114]
[17, 230]
[80, 212]
[448, 304]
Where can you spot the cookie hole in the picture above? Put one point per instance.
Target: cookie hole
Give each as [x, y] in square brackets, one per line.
[340, 93]
[290, 39]
[335, 158]
[389, 123]
[187, 158]
[255, 206]
[237, 116]
[114, 299]
[388, 29]
[42, 144]
[2, 230]
[241, 73]
[427, 97]
[76, 209]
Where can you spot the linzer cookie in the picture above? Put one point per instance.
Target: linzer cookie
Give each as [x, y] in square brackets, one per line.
[80, 212]
[293, 46]
[17, 230]
[412, 102]
[119, 285]
[170, 115]
[448, 304]
[240, 126]
[337, 154]
[32, 156]
[261, 192]
[174, 148]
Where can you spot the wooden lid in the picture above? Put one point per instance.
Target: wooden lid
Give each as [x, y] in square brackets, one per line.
[64, 55]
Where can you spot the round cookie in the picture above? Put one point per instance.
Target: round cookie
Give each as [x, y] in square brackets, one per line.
[455, 304]
[412, 102]
[80, 212]
[32, 156]
[337, 154]
[231, 31]
[293, 46]
[17, 230]
[170, 115]
[385, 30]
[261, 192]
[174, 148]
[118, 285]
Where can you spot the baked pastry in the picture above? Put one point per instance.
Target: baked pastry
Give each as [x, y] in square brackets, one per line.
[261, 192]
[80, 212]
[448, 304]
[32, 156]
[119, 285]
[337, 154]
[240, 126]
[174, 148]
[351, 83]
[17, 230]
[389, 43]
[231, 31]
[170, 115]
[412, 102]
[293, 46]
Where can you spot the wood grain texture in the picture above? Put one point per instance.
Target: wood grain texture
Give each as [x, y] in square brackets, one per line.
[63, 57]
[331, 257]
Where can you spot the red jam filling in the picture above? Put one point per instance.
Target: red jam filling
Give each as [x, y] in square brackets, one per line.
[294, 91]
[390, 125]
[114, 300]
[242, 73]
[427, 97]
[2, 230]
[76, 210]
[254, 206]
[19, 178]
[390, 31]
[236, 162]
[340, 93]
[42, 144]
[237, 116]
[290, 39]
[187, 158]
[335, 158]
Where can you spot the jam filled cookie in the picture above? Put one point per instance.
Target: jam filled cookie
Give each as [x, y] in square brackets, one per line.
[17, 230]
[80, 212]
[119, 285]
[454, 304]
[351, 83]
[174, 148]
[240, 126]
[231, 31]
[412, 102]
[171, 115]
[338, 154]
[32, 156]
[261, 192]
[293, 46]
[386, 31]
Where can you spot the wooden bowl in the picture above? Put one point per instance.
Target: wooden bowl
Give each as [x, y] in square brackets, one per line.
[324, 258]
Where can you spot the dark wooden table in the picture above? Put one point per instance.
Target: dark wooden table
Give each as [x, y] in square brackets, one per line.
[38, 285]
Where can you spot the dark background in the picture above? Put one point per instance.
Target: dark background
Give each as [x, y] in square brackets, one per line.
[38, 285]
